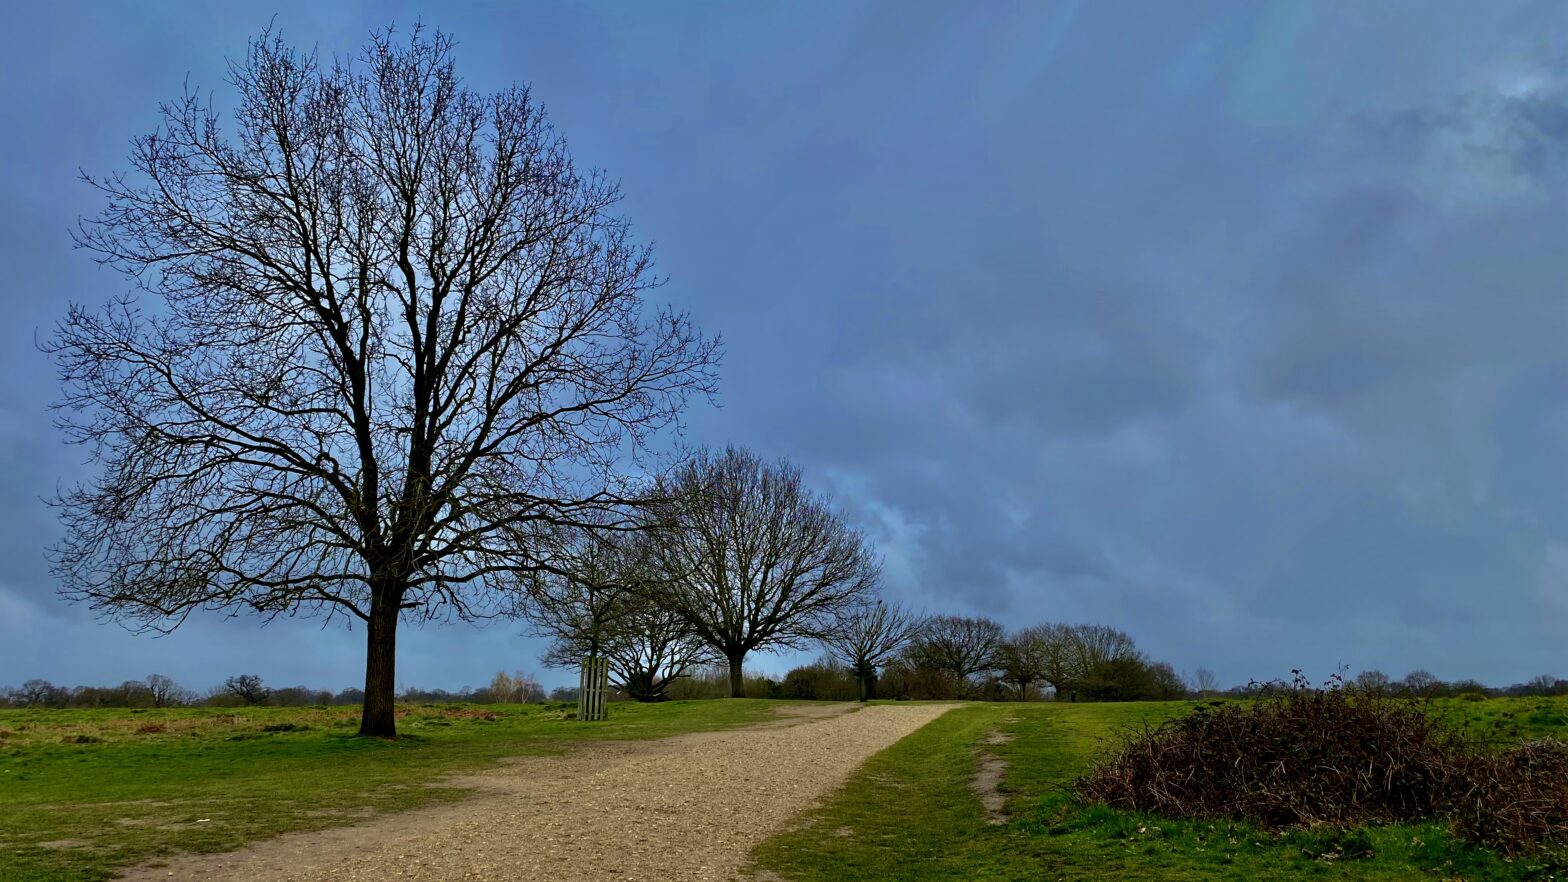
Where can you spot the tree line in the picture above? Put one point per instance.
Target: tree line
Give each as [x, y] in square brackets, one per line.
[249, 690]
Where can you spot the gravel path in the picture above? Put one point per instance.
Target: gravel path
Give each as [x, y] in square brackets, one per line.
[676, 810]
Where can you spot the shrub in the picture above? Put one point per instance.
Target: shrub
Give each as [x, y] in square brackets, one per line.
[821, 680]
[1297, 756]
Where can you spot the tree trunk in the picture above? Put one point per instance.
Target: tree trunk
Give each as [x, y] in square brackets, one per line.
[379, 717]
[737, 680]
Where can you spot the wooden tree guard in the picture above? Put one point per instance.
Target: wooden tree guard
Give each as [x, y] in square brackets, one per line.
[594, 688]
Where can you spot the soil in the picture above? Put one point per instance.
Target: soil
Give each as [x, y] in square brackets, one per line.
[987, 780]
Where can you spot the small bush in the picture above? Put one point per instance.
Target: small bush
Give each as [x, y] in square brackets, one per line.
[1472, 696]
[1300, 757]
[284, 727]
[81, 739]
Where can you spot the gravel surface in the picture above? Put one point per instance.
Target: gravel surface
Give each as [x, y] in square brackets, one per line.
[684, 808]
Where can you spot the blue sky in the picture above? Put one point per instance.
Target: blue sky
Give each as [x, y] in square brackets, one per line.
[1240, 326]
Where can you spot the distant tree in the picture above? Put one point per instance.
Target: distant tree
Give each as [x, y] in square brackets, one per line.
[1204, 682]
[1130, 678]
[397, 333]
[864, 637]
[1422, 683]
[131, 693]
[1058, 656]
[564, 693]
[40, 693]
[753, 560]
[1165, 683]
[1025, 658]
[351, 695]
[823, 680]
[1095, 644]
[907, 676]
[1372, 681]
[247, 688]
[166, 692]
[1545, 684]
[299, 696]
[959, 646]
[518, 688]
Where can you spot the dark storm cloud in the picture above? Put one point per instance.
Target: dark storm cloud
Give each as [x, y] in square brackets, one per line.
[1238, 326]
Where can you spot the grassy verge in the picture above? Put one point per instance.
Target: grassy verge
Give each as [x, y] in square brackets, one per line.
[83, 793]
[911, 814]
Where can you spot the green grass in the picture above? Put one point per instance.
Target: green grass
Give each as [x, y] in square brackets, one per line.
[84, 792]
[910, 813]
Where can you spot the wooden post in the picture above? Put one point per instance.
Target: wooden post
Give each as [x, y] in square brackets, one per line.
[593, 689]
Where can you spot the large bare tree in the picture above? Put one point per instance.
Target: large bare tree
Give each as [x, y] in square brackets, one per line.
[397, 333]
[754, 560]
[868, 635]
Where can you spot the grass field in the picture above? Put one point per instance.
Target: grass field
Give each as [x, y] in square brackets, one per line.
[911, 813]
[83, 792]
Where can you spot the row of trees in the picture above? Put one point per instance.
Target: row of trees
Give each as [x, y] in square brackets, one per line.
[969, 657]
[734, 556]
[245, 690]
[1424, 684]
[158, 690]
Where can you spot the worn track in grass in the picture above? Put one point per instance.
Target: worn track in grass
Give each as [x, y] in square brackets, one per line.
[686, 808]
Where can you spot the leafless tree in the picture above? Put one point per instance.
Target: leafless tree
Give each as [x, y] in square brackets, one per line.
[1025, 657]
[37, 693]
[1063, 655]
[1419, 682]
[1055, 650]
[1204, 682]
[586, 595]
[1372, 680]
[166, 692]
[602, 604]
[398, 334]
[650, 647]
[518, 688]
[248, 688]
[1095, 644]
[959, 646]
[866, 636]
[753, 560]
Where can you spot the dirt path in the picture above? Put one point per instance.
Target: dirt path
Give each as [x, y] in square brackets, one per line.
[684, 808]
